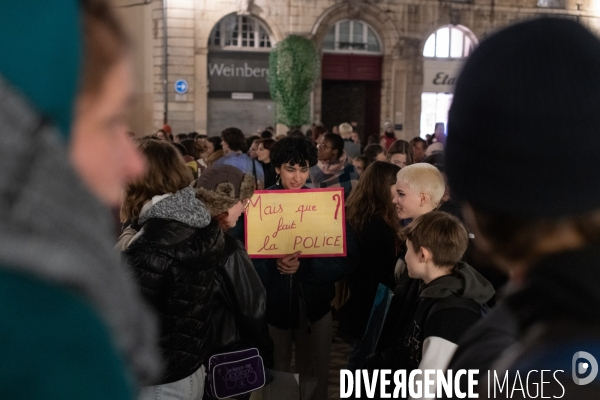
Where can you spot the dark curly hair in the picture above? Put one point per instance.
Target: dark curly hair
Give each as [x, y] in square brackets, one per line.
[235, 139]
[295, 151]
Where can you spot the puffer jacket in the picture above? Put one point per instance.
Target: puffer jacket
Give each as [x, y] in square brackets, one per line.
[174, 259]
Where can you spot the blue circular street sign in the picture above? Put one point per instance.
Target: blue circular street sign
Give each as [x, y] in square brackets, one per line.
[181, 86]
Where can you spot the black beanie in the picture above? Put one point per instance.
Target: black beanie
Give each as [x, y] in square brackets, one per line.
[524, 125]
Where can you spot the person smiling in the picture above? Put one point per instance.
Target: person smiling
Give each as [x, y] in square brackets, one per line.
[419, 189]
[300, 290]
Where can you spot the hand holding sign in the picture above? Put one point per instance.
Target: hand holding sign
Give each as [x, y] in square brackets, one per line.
[288, 224]
[289, 265]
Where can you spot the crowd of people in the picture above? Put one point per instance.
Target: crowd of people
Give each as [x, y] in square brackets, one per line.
[88, 316]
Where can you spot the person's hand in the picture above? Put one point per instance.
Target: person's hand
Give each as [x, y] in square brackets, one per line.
[289, 264]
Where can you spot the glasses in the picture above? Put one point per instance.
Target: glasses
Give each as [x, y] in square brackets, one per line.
[246, 203]
[323, 145]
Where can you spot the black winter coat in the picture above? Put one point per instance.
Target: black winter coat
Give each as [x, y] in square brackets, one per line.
[175, 266]
[377, 249]
[314, 282]
[205, 290]
[410, 320]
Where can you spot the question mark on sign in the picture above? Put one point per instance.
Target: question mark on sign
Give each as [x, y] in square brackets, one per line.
[337, 207]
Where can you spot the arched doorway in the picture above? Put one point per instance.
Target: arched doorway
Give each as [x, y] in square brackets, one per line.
[351, 76]
[237, 71]
[445, 51]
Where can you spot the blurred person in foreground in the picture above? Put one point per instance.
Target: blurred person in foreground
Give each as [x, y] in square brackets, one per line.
[73, 326]
[537, 219]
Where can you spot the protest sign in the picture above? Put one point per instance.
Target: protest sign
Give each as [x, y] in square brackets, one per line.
[282, 222]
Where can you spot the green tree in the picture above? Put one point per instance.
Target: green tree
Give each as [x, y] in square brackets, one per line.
[293, 70]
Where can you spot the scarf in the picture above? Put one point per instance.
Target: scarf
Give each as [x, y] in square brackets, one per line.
[326, 170]
[54, 229]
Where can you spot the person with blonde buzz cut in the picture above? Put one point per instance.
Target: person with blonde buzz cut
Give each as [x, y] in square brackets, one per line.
[419, 189]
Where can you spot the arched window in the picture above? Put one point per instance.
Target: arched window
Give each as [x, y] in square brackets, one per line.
[352, 36]
[444, 52]
[450, 41]
[240, 32]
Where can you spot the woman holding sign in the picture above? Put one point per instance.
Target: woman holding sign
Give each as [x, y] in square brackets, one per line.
[299, 290]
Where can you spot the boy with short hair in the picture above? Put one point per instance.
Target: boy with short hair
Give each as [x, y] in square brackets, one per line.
[452, 296]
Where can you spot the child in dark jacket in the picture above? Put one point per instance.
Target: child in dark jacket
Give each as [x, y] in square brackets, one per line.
[452, 296]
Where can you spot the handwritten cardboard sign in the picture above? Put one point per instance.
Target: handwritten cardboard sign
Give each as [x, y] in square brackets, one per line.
[282, 222]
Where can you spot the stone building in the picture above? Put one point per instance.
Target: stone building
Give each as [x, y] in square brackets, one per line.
[383, 61]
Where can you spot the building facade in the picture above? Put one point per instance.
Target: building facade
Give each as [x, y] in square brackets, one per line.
[382, 61]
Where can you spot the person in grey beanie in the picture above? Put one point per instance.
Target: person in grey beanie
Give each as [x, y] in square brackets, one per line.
[533, 84]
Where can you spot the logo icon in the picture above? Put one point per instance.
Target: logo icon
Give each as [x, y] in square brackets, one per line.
[584, 363]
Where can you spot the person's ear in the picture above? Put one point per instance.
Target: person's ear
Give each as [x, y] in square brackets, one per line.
[423, 198]
[424, 255]
[278, 170]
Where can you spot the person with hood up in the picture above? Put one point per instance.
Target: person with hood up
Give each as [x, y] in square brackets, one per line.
[452, 297]
[73, 325]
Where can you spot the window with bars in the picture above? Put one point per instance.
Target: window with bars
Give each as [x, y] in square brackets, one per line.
[240, 32]
[351, 36]
[449, 42]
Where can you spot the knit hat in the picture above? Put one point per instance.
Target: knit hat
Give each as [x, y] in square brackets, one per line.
[524, 126]
[220, 187]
